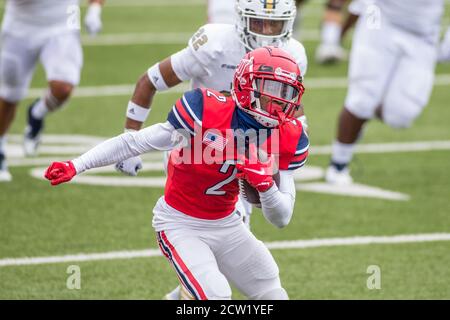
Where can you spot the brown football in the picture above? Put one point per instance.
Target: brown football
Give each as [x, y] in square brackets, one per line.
[250, 194]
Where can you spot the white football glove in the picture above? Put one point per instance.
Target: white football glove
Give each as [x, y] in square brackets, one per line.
[92, 19]
[130, 166]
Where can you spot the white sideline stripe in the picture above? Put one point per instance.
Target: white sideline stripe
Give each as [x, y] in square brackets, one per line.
[390, 147]
[137, 38]
[277, 245]
[127, 89]
[151, 3]
[353, 190]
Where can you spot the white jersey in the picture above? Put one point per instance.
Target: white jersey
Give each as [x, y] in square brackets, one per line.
[421, 17]
[40, 17]
[213, 54]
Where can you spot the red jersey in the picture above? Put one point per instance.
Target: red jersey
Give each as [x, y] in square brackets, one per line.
[201, 179]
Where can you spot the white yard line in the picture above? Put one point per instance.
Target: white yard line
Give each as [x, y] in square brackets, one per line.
[277, 245]
[127, 89]
[137, 38]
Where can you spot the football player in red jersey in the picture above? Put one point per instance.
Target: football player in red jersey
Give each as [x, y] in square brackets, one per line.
[196, 223]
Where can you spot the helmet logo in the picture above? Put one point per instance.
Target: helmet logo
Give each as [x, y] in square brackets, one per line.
[290, 75]
[269, 4]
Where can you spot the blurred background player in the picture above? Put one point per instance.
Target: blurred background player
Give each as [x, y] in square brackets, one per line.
[444, 48]
[330, 49]
[196, 223]
[48, 31]
[336, 23]
[391, 72]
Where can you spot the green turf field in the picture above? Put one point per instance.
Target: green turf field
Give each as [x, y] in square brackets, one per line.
[37, 220]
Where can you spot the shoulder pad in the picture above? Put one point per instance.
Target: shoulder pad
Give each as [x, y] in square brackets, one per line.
[210, 40]
[297, 50]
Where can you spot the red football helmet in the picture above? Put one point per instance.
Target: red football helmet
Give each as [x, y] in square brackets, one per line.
[272, 73]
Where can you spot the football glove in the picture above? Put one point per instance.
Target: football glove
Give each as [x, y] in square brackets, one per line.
[92, 19]
[130, 166]
[59, 172]
[257, 173]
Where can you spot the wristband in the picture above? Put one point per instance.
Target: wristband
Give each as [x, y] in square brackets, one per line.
[155, 76]
[136, 112]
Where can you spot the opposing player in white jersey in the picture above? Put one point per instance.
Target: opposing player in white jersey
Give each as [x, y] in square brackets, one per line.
[211, 57]
[48, 31]
[391, 72]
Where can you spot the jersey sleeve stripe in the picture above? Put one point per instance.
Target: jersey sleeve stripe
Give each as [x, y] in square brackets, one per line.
[182, 112]
[296, 165]
[299, 152]
[300, 157]
[303, 143]
[178, 122]
[191, 111]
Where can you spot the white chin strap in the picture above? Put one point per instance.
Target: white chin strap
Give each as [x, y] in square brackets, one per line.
[257, 42]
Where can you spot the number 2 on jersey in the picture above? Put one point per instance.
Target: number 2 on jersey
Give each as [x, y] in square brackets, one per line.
[215, 189]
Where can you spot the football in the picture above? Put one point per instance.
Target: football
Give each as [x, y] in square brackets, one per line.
[250, 193]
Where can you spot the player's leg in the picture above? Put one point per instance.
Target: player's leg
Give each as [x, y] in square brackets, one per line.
[249, 265]
[17, 62]
[329, 49]
[408, 93]
[372, 63]
[194, 264]
[62, 59]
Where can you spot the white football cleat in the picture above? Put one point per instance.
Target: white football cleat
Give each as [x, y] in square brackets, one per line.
[338, 177]
[5, 176]
[30, 145]
[328, 53]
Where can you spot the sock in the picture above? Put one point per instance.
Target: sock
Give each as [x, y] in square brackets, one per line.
[39, 109]
[2, 144]
[342, 154]
[331, 33]
[46, 104]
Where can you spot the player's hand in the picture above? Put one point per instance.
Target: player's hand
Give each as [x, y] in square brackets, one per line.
[130, 166]
[92, 19]
[257, 173]
[59, 172]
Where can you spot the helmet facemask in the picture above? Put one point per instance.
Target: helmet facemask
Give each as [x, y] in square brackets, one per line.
[273, 99]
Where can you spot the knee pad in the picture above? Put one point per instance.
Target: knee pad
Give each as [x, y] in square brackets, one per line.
[216, 287]
[401, 115]
[274, 294]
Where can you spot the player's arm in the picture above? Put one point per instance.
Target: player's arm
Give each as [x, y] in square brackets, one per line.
[186, 64]
[126, 145]
[159, 77]
[93, 17]
[278, 202]
[181, 66]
